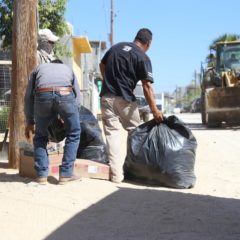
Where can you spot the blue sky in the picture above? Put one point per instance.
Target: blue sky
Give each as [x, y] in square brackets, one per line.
[182, 31]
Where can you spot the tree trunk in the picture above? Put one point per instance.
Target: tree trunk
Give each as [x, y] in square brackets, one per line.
[24, 49]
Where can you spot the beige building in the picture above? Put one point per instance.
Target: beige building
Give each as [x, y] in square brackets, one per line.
[85, 59]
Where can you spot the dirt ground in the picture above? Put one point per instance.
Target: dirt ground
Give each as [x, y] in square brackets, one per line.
[101, 210]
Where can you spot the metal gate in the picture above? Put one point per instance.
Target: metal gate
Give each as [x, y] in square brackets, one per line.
[5, 86]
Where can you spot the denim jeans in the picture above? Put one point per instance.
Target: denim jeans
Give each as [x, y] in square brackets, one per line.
[47, 105]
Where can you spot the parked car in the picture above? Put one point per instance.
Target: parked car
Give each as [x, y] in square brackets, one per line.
[176, 110]
[143, 108]
[185, 109]
[196, 105]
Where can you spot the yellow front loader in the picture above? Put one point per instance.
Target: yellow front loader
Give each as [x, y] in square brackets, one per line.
[220, 86]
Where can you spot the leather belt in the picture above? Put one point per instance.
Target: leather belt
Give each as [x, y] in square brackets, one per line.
[64, 90]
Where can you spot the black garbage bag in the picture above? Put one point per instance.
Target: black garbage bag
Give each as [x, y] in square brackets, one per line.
[92, 145]
[161, 154]
[56, 130]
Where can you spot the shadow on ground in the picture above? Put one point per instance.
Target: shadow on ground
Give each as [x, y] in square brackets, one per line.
[15, 177]
[132, 214]
[4, 177]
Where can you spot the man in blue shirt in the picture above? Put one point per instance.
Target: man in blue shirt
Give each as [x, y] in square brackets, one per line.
[53, 90]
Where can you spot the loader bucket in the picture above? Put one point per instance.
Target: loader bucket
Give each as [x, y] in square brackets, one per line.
[222, 105]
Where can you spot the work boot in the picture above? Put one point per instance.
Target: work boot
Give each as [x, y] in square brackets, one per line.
[115, 179]
[64, 180]
[41, 180]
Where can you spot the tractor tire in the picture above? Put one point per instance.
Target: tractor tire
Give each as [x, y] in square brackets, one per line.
[203, 110]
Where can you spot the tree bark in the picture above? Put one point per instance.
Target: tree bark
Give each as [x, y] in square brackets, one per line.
[24, 49]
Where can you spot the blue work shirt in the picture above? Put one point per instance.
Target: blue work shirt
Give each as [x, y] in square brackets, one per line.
[49, 75]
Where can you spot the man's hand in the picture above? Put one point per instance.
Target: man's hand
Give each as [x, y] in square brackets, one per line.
[29, 129]
[149, 95]
[158, 116]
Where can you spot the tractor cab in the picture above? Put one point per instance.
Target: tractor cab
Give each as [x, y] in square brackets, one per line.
[228, 56]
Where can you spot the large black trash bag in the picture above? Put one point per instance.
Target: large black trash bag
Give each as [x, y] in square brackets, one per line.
[162, 154]
[91, 145]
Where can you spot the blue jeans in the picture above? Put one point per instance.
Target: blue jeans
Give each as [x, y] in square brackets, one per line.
[47, 105]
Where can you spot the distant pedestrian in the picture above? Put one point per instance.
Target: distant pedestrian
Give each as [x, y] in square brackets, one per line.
[123, 65]
[53, 90]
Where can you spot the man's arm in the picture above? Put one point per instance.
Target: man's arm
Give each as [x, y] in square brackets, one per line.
[149, 95]
[29, 100]
[29, 106]
[76, 90]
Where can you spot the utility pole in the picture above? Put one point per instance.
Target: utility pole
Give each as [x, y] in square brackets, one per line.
[111, 24]
[24, 50]
[176, 96]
